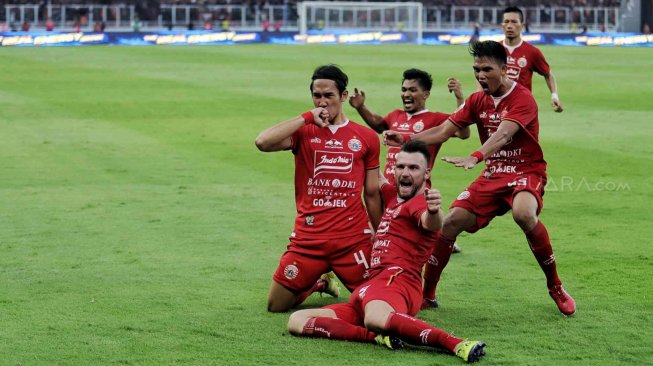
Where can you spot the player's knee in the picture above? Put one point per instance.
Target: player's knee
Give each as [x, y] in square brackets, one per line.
[296, 322]
[275, 306]
[525, 219]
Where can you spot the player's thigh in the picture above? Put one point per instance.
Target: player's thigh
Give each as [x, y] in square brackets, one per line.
[298, 272]
[376, 315]
[350, 266]
[458, 220]
[524, 209]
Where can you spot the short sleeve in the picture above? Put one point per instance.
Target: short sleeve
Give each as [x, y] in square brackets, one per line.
[462, 117]
[540, 65]
[373, 151]
[523, 111]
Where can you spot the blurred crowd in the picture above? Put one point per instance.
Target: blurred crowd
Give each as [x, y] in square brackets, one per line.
[264, 3]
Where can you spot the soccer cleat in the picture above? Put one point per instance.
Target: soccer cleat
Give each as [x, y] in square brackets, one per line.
[331, 287]
[566, 303]
[429, 304]
[390, 342]
[470, 351]
[456, 249]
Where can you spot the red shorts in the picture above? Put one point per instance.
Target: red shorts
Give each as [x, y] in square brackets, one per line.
[490, 197]
[306, 260]
[400, 290]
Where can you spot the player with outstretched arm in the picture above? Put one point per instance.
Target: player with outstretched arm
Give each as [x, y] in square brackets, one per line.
[505, 114]
[382, 310]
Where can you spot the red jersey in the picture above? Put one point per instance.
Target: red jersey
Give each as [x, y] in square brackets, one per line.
[522, 154]
[400, 239]
[330, 168]
[400, 121]
[523, 59]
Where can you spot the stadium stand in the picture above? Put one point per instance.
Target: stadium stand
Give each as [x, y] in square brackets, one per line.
[552, 16]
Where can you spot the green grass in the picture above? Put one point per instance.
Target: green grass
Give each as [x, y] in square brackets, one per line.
[140, 225]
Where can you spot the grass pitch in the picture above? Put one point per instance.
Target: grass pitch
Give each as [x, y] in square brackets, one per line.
[140, 225]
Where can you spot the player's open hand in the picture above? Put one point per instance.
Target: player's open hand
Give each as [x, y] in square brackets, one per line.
[456, 87]
[467, 162]
[392, 138]
[433, 200]
[357, 99]
[556, 104]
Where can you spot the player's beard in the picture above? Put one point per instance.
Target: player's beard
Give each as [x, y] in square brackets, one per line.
[405, 193]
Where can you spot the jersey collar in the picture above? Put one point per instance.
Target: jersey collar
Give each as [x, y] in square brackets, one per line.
[335, 128]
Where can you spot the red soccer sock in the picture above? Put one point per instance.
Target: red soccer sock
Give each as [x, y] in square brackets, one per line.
[540, 244]
[318, 286]
[334, 328]
[416, 332]
[436, 263]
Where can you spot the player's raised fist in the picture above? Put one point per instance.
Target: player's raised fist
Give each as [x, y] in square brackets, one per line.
[321, 116]
[433, 200]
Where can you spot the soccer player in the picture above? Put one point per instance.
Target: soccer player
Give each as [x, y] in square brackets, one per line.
[505, 114]
[413, 118]
[382, 309]
[336, 161]
[524, 58]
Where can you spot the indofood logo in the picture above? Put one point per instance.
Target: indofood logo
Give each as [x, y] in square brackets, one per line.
[333, 162]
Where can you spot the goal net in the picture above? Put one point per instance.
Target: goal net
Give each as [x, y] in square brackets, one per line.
[352, 17]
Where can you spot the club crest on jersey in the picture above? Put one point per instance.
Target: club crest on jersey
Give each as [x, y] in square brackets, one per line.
[333, 144]
[522, 61]
[291, 271]
[418, 126]
[463, 196]
[310, 220]
[354, 145]
[332, 162]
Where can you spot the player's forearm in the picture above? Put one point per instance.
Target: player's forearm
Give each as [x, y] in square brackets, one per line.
[502, 136]
[551, 83]
[432, 221]
[432, 136]
[374, 207]
[277, 137]
[375, 121]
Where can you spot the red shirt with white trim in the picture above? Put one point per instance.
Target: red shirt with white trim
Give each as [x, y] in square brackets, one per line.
[522, 154]
[400, 240]
[400, 121]
[330, 168]
[523, 60]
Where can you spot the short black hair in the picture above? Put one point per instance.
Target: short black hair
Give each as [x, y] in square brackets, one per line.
[331, 72]
[423, 78]
[514, 9]
[489, 49]
[417, 146]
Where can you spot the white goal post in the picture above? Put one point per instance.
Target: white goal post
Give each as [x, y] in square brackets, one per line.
[325, 16]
